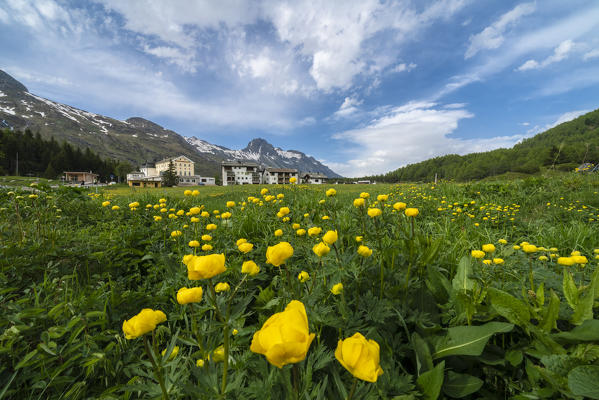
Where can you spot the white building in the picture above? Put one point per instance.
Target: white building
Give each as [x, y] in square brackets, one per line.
[240, 173]
[196, 180]
[280, 176]
[184, 169]
[313, 178]
[183, 166]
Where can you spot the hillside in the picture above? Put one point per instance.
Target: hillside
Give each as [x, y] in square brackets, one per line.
[135, 140]
[563, 147]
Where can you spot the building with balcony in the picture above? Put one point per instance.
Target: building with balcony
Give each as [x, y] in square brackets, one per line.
[241, 173]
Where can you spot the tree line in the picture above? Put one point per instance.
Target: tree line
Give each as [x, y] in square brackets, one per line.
[49, 158]
[563, 147]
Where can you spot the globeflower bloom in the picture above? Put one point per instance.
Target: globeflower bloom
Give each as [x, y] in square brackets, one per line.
[359, 202]
[566, 261]
[529, 248]
[364, 251]
[279, 232]
[211, 227]
[250, 268]
[477, 253]
[364, 195]
[314, 231]
[176, 233]
[245, 247]
[105, 203]
[204, 267]
[374, 212]
[142, 323]
[360, 357]
[488, 248]
[293, 179]
[330, 237]
[115, 208]
[502, 241]
[337, 289]
[300, 232]
[206, 238]
[498, 261]
[284, 211]
[382, 197]
[206, 247]
[222, 287]
[279, 253]
[400, 206]
[411, 212]
[580, 259]
[194, 243]
[192, 295]
[230, 204]
[331, 192]
[321, 249]
[285, 337]
[303, 276]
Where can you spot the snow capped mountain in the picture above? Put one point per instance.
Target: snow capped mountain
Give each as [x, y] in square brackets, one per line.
[262, 152]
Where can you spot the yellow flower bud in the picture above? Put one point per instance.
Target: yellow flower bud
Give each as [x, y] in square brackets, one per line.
[321, 249]
[192, 295]
[142, 323]
[303, 276]
[360, 357]
[330, 237]
[337, 289]
[279, 253]
[250, 268]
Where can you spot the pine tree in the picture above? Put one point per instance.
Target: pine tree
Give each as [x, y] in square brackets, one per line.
[50, 172]
[169, 177]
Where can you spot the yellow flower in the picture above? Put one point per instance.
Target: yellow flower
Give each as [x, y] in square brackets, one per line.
[187, 192]
[135, 204]
[115, 208]
[279, 232]
[502, 241]
[211, 227]
[487, 262]
[263, 191]
[279, 253]
[331, 192]
[225, 215]
[575, 253]
[314, 231]
[206, 238]
[105, 203]
[204, 214]
[364, 195]
[330, 237]
[240, 241]
[162, 200]
[187, 258]
[176, 233]
[194, 219]
[359, 202]
[157, 218]
[234, 332]
[488, 248]
[400, 206]
[195, 193]
[204, 267]
[374, 212]
[195, 210]
[285, 337]
[364, 251]
[200, 363]
[516, 247]
[245, 247]
[580, 259]
[284, 211]
[250, 268]
[143, 323]
[230, 204]
[477, 253]
[543, 258]
[206, 247]
[222, 287]
[360, 357]
[411, 212]
[337, 288]
[194, 243]
[382, 197]
[359, 239]
[567, 261]
[191, 295]
[529, 248]
[293, 179]
[33, 196]
[498, 261]
[321, 249]
[173, 353]
[303, 276]
[218, 354]
[300, 232]
[321, 201]
[325, 217]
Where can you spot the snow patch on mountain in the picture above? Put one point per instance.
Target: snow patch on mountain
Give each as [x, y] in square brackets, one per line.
[8, 110]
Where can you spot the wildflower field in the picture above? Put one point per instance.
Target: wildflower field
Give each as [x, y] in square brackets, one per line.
[480, 290]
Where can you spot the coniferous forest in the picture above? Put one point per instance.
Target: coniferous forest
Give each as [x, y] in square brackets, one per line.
[50, 158]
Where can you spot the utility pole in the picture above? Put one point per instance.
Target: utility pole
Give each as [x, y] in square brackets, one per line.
[17, 173]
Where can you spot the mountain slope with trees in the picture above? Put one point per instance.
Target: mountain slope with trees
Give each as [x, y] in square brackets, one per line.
[562, 147]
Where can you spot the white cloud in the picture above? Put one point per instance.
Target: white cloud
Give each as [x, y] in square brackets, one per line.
[403, 67]
[591, 54]
[348, 107]
[525, 123]
[184, 60]
[559, 53]
[410, 133]
[492, 36]
[565, 117]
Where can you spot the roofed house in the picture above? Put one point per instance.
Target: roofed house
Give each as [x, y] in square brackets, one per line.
[313, 178]
[183, 166]
[279, 176]
[80, 178]
[240, 173]
[148, 181]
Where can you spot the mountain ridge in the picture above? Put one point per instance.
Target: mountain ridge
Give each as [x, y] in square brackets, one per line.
[136, 139]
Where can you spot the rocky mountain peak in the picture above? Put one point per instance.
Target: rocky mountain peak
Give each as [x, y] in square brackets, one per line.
[260, 146]
[142, 123]
[8, 83]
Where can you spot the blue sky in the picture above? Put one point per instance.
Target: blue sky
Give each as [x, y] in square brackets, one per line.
[364, 86]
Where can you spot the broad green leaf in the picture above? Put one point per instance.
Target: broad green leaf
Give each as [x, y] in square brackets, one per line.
[461, 385]
[438, 284]
[424, 359]
[469, 340]
[551, 313]
[584, 381]
[541, 294]
[570, 289]
[509, 307]
[461, 281]
[584, 308]
[430, 382]
[588, 331]
[514, 357]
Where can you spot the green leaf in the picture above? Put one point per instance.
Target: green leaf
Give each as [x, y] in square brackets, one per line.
[570, 289]
[461, 385]
[461, 281]
[509, 307]
[25, 359]
[551, 313]
[430, 382]
[584, 381]
[469, 340]
[588, 331]
[514, 357]
[424, 361]
[438, 284]
[584, 308]
[541, 294]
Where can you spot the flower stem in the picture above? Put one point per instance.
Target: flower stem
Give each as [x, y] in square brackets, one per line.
[157, 369]
[353, 389]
